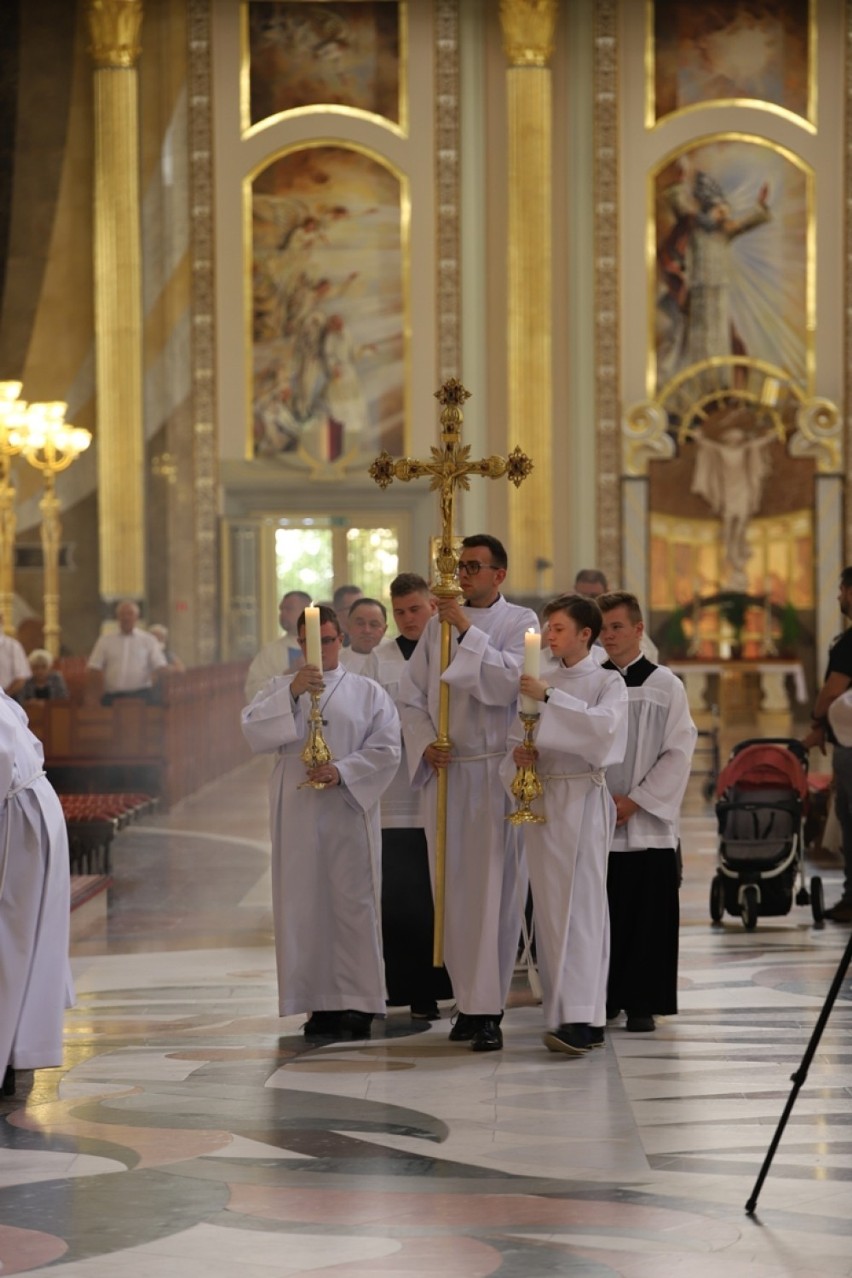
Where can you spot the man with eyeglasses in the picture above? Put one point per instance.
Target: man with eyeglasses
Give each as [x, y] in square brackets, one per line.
[326, 842]
[486, 885]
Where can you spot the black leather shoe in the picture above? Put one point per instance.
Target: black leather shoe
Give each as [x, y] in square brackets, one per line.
[640, 1023]
[571, 1040]
[596, 1035]
[322, 1025]
[358, 1024]
[488, 1036]
[464, 1027]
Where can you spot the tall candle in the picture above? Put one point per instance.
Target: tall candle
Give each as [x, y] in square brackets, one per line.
[532, 662]
[313, 643]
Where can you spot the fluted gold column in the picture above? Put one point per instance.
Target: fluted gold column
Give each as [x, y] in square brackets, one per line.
[114, 27]
[528, 30]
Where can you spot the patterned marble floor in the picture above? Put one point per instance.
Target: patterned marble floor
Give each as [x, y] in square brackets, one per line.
[191, 1132]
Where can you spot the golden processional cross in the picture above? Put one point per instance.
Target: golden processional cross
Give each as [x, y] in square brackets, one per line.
[448, 468]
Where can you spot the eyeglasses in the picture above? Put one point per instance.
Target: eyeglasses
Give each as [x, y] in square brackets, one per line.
[472, 566]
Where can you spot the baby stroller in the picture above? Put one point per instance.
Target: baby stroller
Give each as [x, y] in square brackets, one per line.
[762, 795]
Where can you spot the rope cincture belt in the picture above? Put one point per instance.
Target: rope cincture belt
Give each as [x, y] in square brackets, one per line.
[16, 789]
[598, 776]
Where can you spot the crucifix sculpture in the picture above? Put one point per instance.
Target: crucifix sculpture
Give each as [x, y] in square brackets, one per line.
[448, 468]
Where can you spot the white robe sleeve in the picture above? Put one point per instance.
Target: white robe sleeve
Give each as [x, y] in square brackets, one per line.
[489, 674]
[663, 786]
[367, 772]
[273, 719]
[418, 730]
[596, 733]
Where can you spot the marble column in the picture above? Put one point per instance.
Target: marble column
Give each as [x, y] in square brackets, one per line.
[528, 28]
[114, 28]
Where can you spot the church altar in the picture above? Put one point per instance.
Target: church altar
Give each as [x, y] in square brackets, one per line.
[745, 687]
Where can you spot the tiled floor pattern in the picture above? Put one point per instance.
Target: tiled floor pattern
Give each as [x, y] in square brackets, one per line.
[192, 1133]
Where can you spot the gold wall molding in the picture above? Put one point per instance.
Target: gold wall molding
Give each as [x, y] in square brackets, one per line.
[607, 356]
[115, 27]
[448, 182]
[529, 28]
[203, 336]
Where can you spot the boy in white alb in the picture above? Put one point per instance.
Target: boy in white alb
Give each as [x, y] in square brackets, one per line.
[582, 730]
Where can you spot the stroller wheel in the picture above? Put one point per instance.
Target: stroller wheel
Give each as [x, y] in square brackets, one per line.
[717, 898]
[817, 900]
[748, 907]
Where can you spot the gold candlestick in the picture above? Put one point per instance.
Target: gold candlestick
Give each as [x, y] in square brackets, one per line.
[316, 752]
[526, 786]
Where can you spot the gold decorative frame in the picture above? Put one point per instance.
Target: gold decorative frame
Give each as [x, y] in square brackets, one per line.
[807, 122]
[249, 130]
[448, 189]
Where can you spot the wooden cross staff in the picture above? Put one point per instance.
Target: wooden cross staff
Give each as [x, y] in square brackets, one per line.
[448, 468]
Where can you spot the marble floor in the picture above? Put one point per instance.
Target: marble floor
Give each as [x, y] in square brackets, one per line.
[191, 1132]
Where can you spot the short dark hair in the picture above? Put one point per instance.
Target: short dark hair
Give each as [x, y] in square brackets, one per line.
[365, 599]
[593, 576]
[621, 599]
[497, 549]
[290, 594]
[342, 591]
[846, 578]
[326, 614]
[409, 583]
[580, 608]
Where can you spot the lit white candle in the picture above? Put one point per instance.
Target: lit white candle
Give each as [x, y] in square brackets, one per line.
[313, 643]
[532, 663]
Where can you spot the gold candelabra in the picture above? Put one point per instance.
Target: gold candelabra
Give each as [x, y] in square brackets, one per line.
[50, 444]
[316, 752]
[526, 786]
[12, 416]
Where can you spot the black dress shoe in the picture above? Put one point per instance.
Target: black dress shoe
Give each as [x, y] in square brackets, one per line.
[640, 1023]
[322, 1025]
[358, 1024]
[464, 1028]
[426, 1011]
[9, 1082]
[488, 1036]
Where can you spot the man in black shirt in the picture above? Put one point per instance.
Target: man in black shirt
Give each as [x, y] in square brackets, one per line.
[838, 678]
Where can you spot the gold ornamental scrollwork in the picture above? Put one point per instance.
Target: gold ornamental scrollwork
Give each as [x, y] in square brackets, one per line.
[818, 435]
[114, 27]
[645, 437]
[529, 28]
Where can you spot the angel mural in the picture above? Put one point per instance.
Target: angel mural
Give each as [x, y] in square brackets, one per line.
[327, 308]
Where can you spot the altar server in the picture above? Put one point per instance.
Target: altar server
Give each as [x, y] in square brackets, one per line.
[326, 843]
[35, 978]
[485, 886]
[648, 788]
[581, 732]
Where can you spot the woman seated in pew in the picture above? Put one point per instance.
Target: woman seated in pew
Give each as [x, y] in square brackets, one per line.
[44, 684]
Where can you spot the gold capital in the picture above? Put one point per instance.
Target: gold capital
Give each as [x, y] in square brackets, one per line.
[114, 27]
[528, 31]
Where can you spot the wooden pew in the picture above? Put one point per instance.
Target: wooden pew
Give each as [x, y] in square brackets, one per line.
[168, 750]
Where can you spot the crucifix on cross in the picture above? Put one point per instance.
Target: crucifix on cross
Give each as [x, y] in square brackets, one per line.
[449, 468]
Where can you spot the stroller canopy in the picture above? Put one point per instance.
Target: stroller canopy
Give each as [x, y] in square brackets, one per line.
[764, 766]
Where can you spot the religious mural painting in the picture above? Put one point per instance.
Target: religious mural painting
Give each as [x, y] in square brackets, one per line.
[732, 357]
[328, 308]
[344, 55]
[732, 262]
[732, 51]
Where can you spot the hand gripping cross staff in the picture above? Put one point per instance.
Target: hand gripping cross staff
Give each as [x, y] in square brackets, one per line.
[448, 468]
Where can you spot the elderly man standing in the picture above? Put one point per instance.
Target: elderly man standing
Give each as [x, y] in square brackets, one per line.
[126, 663]
[368, 622]
[326, 838]
[284, 652]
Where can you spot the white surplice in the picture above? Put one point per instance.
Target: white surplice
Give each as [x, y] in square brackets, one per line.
[655, 769]
[485, 877]
[35, 978]
[326, 844]
[581, 731]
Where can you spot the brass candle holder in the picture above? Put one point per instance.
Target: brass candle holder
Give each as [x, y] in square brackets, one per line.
[316, 752]
[526, 787]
